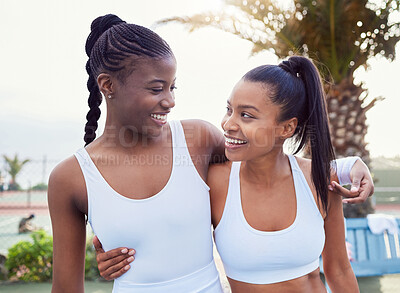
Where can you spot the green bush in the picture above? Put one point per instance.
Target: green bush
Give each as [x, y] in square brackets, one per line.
[31, 261]
[40, 187]
[91, 270]
[14, 187]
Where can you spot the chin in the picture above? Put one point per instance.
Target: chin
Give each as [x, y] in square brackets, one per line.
[153, 133]
[233, 157]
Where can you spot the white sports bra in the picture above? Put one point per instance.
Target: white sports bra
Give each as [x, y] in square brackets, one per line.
[259, 257]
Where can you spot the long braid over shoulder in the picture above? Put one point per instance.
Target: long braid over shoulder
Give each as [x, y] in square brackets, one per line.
[110, 45]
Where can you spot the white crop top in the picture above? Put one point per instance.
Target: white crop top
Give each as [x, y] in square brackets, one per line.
[170, 231]
[262, 257]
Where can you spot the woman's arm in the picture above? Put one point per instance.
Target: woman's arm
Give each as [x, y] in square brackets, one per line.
[218, 181]
[204, 139]
[218, 152]
[337, 268]
[69, 231]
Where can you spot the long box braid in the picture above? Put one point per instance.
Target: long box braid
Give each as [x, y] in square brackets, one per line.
[110, 45]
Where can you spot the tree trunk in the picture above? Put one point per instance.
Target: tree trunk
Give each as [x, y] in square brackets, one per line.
[348, 129]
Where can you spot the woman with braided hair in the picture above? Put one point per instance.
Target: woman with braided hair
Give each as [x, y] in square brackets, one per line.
[136, 183]
[141, 184]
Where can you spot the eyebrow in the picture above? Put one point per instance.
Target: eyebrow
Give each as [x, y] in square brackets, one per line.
[245, 107]
[160, 80]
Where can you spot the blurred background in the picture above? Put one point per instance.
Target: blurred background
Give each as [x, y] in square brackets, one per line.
[43, 95]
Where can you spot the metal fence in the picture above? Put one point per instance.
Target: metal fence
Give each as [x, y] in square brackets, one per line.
[30, 200]
[15, 205]
[35, 172]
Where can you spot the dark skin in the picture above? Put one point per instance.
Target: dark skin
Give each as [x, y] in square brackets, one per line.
[115, 262]
[128, 121]
[267, 189]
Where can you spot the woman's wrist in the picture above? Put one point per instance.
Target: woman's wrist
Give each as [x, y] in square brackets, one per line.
[343, 169]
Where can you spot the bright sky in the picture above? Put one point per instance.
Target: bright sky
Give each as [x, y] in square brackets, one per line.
[43, 95]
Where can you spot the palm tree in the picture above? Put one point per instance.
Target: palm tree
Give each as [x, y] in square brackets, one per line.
[14, 167]
[341, 35]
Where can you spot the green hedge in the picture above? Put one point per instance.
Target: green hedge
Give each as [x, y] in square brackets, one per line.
[31, 261]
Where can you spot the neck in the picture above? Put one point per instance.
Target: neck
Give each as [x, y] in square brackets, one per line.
[267, 169]
[127, 138]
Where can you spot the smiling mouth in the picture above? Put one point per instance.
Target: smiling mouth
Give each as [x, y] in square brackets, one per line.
[234, 141]
[160, 117]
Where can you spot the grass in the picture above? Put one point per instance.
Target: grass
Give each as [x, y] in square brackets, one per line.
[90, 287]
[387, 178]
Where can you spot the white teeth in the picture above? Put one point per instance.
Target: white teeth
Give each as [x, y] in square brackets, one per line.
[159, 117]
[235, 141]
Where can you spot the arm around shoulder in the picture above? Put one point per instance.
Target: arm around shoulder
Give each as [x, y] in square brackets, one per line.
[208, 137]
[218, 181]
[68, 224]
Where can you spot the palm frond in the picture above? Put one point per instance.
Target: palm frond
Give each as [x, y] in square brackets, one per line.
[341, 34]
[239, 25]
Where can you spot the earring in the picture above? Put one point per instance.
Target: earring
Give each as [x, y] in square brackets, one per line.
[109, 96]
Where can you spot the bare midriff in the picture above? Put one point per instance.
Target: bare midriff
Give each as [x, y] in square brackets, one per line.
[310, 283]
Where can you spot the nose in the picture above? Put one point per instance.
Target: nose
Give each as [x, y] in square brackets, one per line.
[169, 101]
[228, 123]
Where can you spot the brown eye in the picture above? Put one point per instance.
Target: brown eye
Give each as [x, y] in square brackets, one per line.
[245, 115]
[157, 90]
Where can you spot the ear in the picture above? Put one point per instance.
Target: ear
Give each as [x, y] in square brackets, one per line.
[105, 84]
[289, 127]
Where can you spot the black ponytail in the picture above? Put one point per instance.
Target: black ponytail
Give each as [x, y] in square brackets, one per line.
[316, 127]
[296, 86]
[110, 43]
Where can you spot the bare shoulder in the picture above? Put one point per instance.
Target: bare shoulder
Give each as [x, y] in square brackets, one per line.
[333, 199]
[65, 172]
[218, 180]
[305, 166]
[219, 172]
[66, 183]
[202, 132]
[204, 139]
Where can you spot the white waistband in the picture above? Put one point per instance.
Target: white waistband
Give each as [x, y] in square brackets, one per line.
[204, 280]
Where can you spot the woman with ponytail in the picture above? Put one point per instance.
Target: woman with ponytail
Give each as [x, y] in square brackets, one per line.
[141, 184]
[273, 213]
